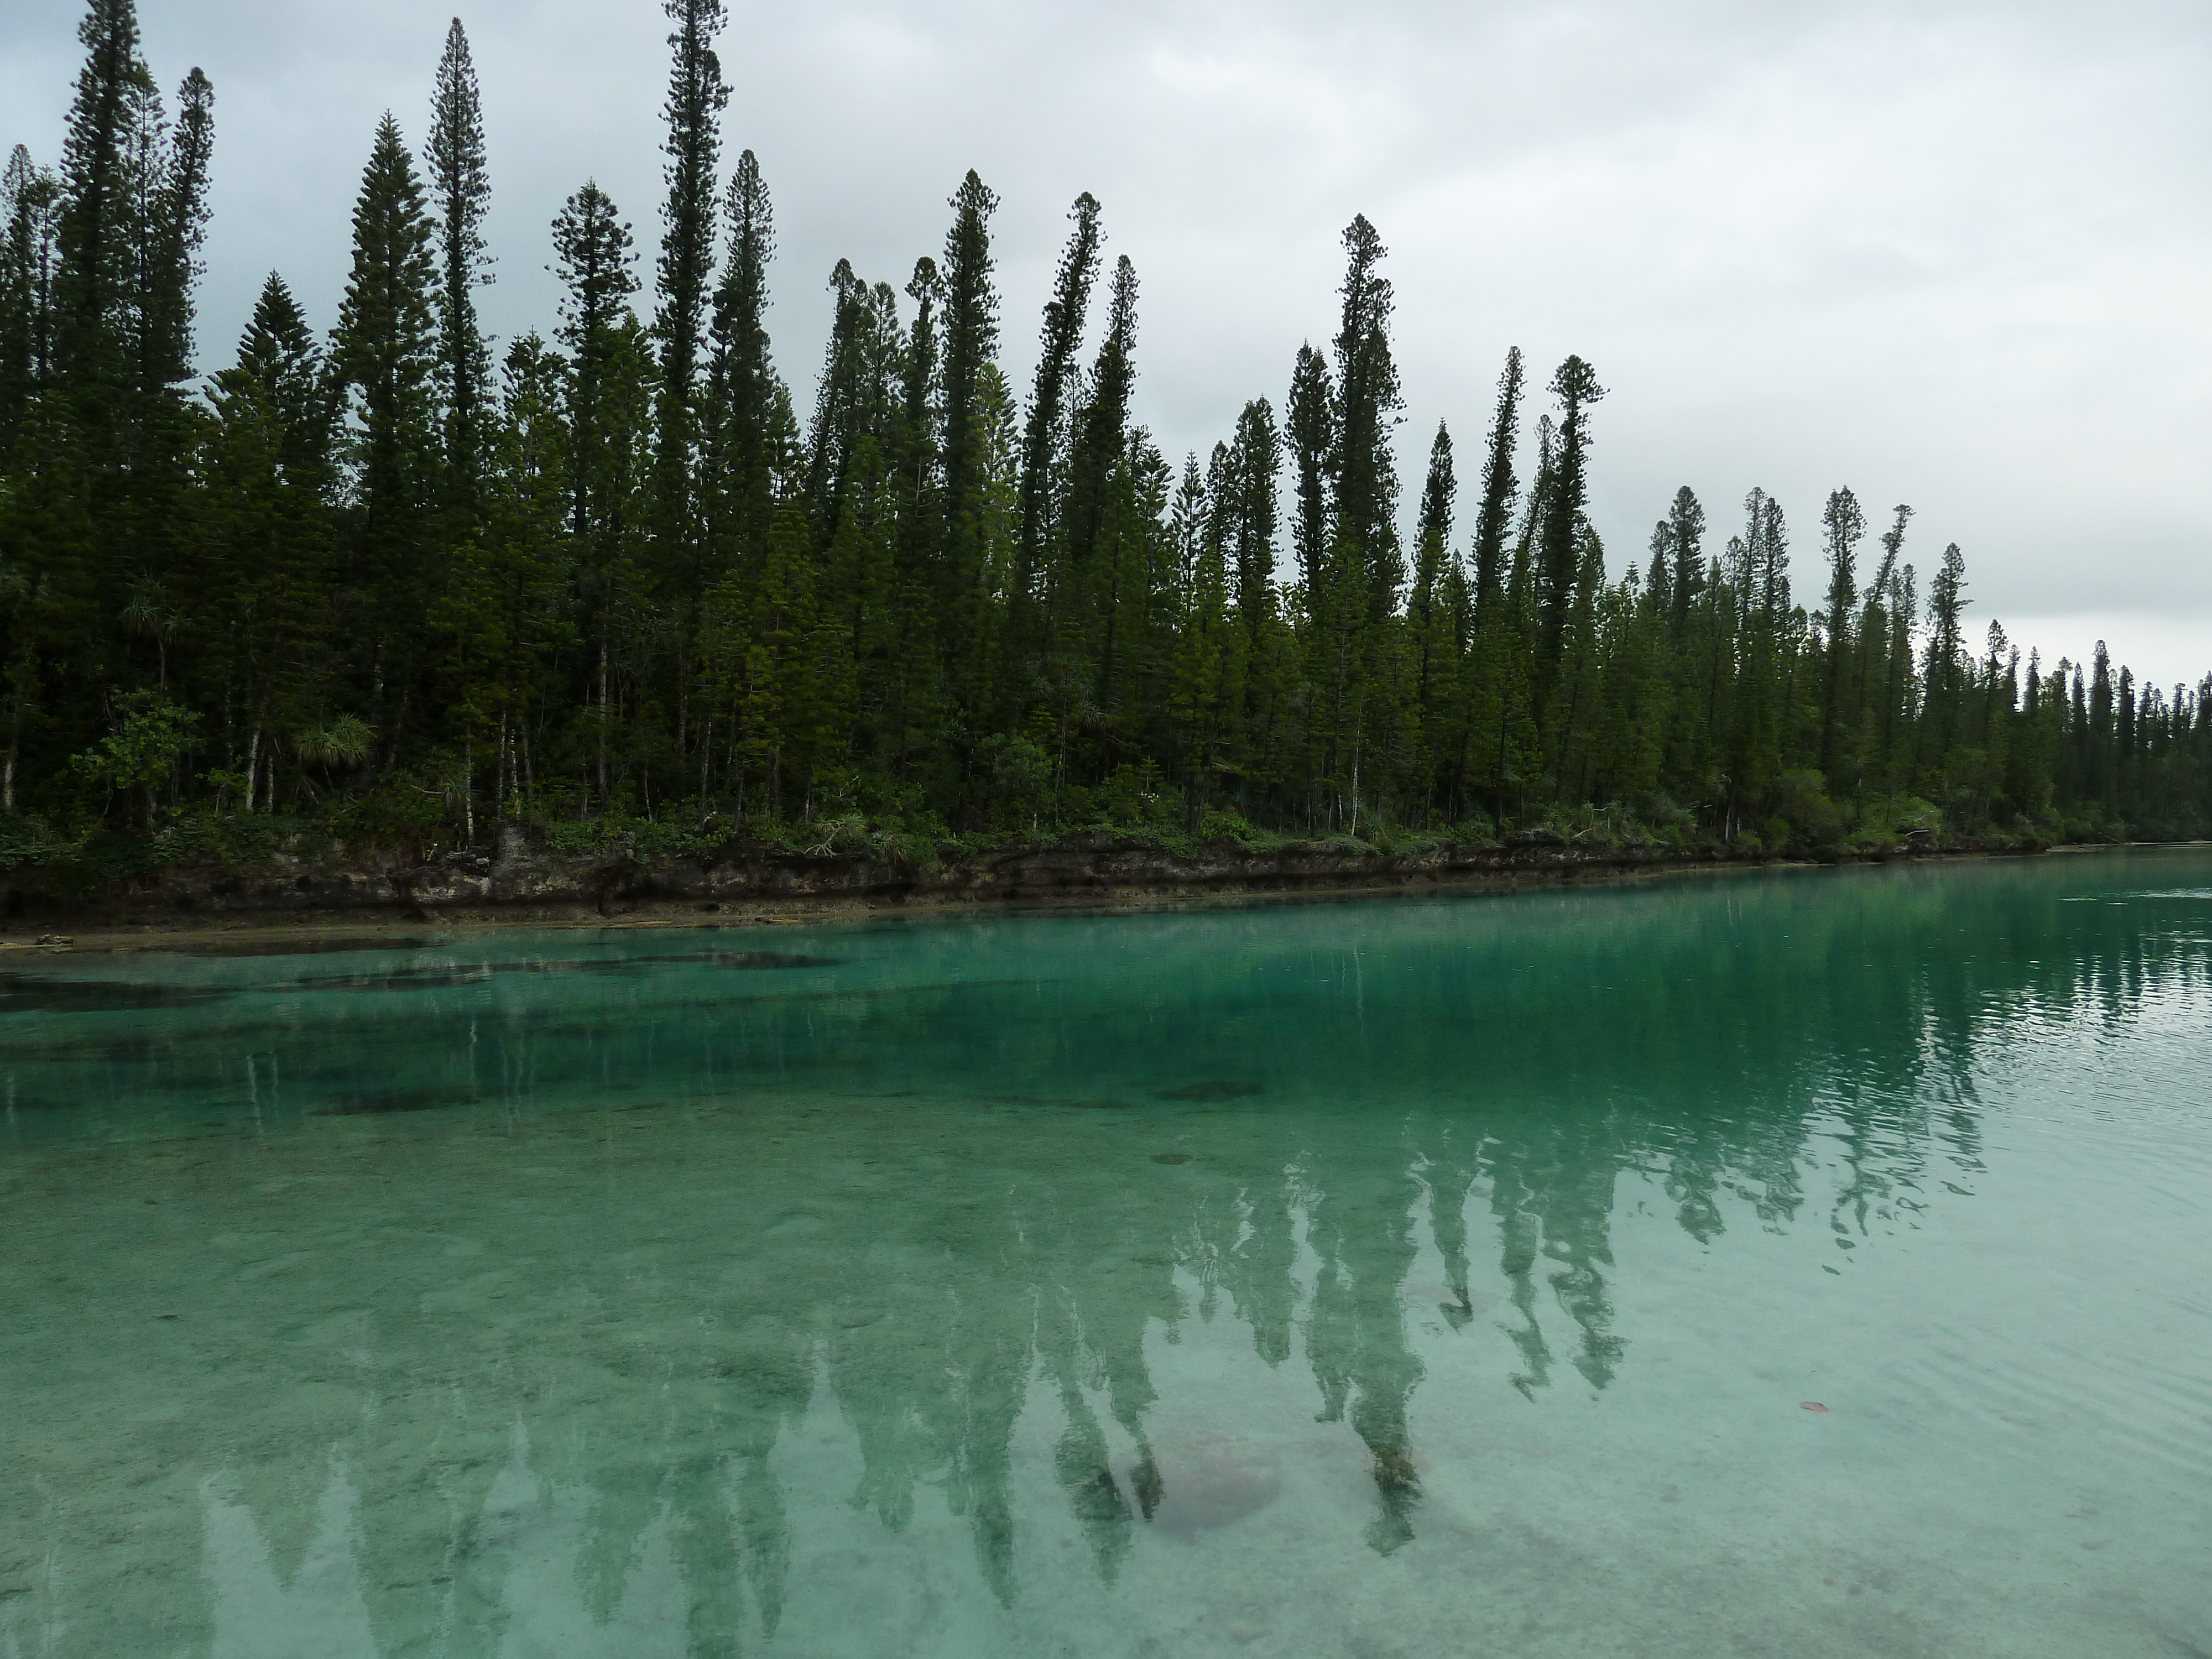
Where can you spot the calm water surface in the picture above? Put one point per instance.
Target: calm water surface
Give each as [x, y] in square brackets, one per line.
[1806, 1264]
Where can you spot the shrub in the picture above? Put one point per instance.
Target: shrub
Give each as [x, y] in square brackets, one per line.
[1804, 810]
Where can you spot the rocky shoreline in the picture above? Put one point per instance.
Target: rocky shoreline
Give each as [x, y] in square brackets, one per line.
[528, 886]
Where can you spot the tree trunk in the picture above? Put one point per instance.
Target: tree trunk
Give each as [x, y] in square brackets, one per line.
[706, 759]
[603, 727]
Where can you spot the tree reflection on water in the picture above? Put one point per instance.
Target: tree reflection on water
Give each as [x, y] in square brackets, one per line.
[529, 1375]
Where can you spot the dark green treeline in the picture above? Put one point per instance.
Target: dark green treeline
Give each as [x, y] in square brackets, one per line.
[400, 583]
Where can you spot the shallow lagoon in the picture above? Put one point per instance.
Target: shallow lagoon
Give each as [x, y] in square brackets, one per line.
[1401, 1277]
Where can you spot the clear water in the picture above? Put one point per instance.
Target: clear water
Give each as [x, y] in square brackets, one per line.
[1400, 1277]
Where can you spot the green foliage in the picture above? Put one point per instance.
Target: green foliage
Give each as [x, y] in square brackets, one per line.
[150, 737]
[1021, 780]
[401, 808]
[27, 841]
[1803, 809]
[1215, 824]
[613, 593]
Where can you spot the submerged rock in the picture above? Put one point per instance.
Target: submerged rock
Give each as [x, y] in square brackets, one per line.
[1186, 1483]
[440, 979]
[31, 993]
[376, 1103]
[1100, 1104]
[1215, 1089]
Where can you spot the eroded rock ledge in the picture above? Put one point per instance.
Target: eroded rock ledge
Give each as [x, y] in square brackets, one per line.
[526, 884]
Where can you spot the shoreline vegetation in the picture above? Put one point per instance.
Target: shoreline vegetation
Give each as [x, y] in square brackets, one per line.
[289, 903]
[384, 615]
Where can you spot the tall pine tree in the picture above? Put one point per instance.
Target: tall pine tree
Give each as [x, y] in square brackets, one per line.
[1042, 439]
[697, 97]
[460, 193]
[384, 353]
[1577, 388]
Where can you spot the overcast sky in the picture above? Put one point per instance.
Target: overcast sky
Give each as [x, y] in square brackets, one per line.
[1948, 254]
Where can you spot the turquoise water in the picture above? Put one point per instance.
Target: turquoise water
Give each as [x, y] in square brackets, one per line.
[1404, 1277]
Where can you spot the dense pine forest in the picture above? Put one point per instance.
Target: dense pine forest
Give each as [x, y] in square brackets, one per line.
[401, 584]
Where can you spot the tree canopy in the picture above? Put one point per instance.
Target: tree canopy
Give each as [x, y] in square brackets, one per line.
[400, 583]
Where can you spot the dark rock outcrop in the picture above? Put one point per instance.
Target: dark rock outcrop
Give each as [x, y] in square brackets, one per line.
[524, 881]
